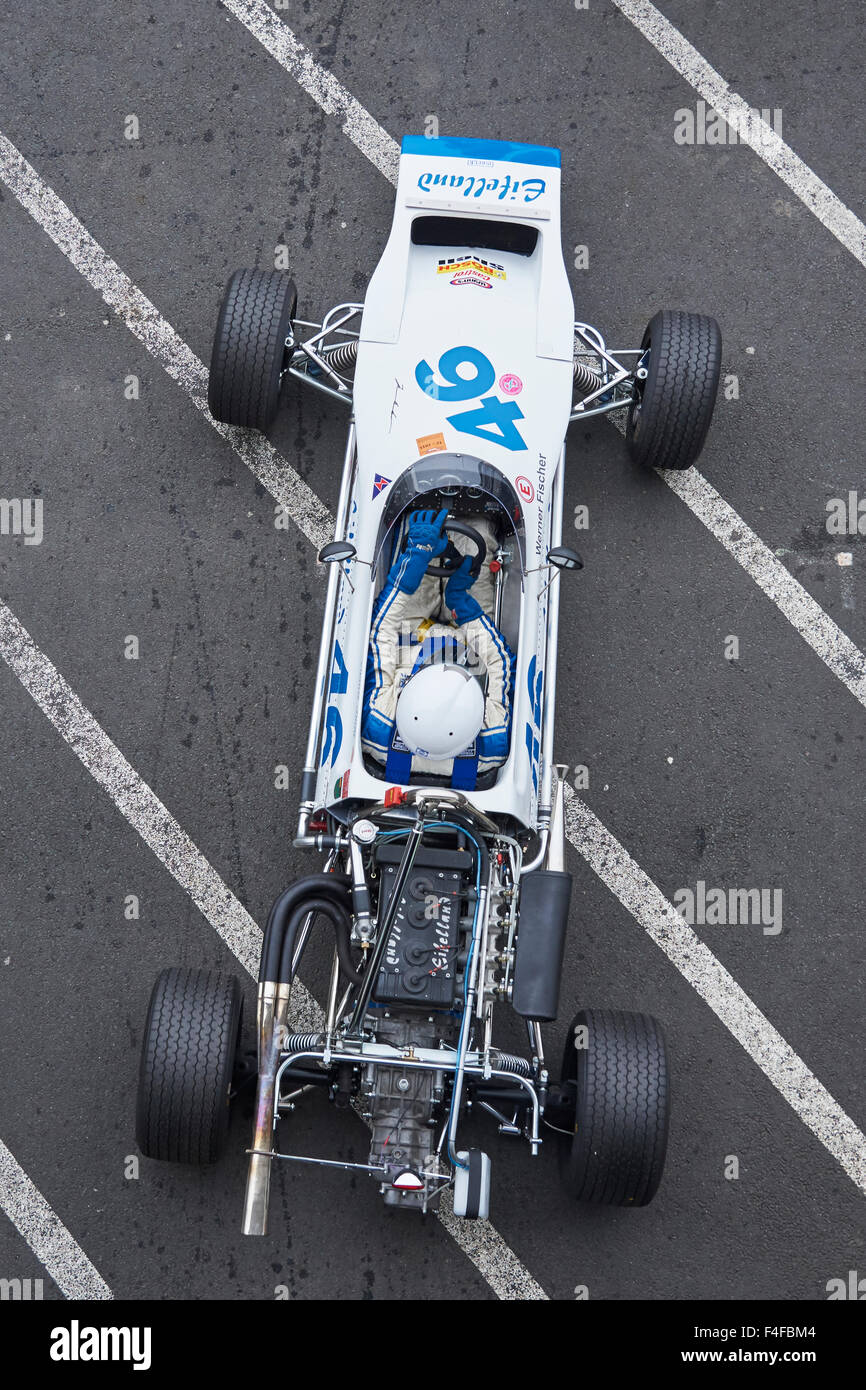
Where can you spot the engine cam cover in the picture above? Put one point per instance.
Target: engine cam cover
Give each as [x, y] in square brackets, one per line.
[421, 956]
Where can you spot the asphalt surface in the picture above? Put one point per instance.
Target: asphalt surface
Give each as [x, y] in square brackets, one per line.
[745, 773]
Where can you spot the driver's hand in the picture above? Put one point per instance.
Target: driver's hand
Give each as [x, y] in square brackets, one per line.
[426, 533]
[457, 595]
[426, 540]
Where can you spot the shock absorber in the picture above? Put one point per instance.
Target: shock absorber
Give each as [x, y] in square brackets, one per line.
[342, 358]
[586, 379]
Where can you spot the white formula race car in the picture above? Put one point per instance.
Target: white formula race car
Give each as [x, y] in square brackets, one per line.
[443, 879]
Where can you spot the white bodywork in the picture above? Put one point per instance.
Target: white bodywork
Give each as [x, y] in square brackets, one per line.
[512, 318]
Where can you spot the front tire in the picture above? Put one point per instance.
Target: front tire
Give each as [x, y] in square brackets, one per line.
[617, 1152]
[249, 348]
[669, 418]
[187, 1060]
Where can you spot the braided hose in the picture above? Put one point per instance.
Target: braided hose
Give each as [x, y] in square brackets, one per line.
[342, 357]
[586, 378]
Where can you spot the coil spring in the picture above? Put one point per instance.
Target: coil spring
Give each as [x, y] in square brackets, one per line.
[586, 378]
[341, 358]
[302, 1042]
[506, 1061]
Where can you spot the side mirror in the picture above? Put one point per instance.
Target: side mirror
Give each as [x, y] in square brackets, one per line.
[336, 552]
[562, 557]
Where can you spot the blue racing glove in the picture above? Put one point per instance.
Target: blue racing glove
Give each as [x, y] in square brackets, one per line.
[457, 596]
[426, 540]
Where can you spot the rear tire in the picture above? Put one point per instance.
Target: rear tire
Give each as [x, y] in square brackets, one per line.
[668, 421]
[617, 1153]
[249, 347]
[187, 1060]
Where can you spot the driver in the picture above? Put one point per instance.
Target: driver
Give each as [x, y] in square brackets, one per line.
[438, 689]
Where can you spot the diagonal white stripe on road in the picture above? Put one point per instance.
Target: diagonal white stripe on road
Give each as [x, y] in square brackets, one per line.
[696, 962]
[494, 1259]
[309, 514]
[48, 210]
[135, 800]
[46, 1234]
[142, 808]
[827, 640]
[318, 83]
[816, 627]
[751, 129]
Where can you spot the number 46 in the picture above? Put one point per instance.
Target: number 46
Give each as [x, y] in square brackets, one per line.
[493, 419]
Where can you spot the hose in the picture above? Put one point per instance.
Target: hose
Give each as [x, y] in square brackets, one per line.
[333, 886]
[338, 915]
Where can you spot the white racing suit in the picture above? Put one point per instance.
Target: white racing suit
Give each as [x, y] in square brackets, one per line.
[406, 632]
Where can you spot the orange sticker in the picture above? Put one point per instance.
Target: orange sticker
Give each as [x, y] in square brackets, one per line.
[431, 444]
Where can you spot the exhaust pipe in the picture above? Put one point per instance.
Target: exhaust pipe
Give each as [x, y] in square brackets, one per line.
[273, 1008]
[555, 854]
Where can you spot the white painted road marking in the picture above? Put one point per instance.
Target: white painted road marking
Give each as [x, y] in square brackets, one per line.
[318, 83]
[751, 129]
[160, 339]
[46, 1234]
[135, 800]
[162, 342]
[695, 961]
[816, 627]
[39, 197]
[487, 1250]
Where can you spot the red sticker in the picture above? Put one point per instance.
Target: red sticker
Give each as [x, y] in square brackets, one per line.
[525, 488]
[510, 384]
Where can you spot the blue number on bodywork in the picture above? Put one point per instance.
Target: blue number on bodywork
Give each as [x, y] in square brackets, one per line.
[333, 734]
[461, 388]
[532, 731]
[339, 673]
[494, 418]
[338, 685]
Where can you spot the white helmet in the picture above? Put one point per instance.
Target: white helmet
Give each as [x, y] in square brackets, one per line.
[440, 711]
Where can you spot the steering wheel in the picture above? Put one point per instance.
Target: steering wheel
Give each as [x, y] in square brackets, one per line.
[452, 557]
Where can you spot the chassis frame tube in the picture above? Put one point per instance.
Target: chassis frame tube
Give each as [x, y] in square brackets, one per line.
[546, 797]
[378, 1055]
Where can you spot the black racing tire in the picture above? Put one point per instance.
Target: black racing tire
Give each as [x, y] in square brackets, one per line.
[669, 418]
[187, 1060]
[249, 347]
[617, 1152]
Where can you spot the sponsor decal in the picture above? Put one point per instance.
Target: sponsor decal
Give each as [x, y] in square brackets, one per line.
[541, 491]
[510, 384]
[379, 485]
[431, 444]
[465, 278]
[505, 189]
[449, 265]
[525, 488]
